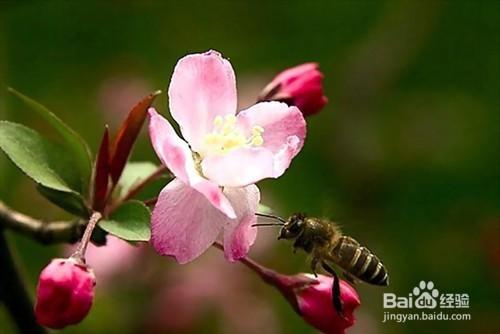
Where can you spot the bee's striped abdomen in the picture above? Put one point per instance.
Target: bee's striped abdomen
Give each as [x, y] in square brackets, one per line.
[360, 262]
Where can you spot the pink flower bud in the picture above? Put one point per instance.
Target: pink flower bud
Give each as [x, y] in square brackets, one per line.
[311, 298]
[64, 294]
[300, 86]
[315, 305]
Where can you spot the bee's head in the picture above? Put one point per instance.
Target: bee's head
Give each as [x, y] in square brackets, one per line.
[293, 227]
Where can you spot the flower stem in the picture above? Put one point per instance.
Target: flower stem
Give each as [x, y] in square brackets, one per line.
[268, 275]
[79, 254]
[138, 187]
[286, 284]
[13, 293]
[154, 176]
[151, 201]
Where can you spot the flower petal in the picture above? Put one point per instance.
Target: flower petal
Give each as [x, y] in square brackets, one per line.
[284, 133]
[240, 167]
[203, 86]
[292, 74]
[184, 224]
[239, 234]
[284, 156]
[279, 122]
[215, 196]
[176, 155]
[170, 148]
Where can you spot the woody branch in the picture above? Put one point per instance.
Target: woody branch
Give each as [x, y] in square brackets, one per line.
[42, 231]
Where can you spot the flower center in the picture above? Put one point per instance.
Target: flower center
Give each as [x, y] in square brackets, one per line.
[226, 137]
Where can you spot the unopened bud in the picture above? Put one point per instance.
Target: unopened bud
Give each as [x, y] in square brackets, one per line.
[312, 298]
[316, 307]
[65, 293]
[300, 86]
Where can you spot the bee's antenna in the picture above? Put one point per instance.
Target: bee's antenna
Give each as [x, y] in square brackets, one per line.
[268, 224]
[281, 220]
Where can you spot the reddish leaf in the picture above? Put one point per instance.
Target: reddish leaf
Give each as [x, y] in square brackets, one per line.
[101, 173]
[127, 135]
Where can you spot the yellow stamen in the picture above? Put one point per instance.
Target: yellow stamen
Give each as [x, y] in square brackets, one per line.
[218, 121]
[257, 141]
[226, 137]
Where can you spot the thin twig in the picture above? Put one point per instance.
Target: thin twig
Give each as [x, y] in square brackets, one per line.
[138, 187]
[265, 273]
[151, 201]
[286, 284]
[44, 232]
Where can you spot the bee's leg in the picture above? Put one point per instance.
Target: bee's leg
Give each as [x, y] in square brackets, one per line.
[304, 243]
[337, 302]
[314, 265]
[296, 245]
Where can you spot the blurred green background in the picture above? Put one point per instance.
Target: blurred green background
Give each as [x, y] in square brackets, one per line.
[406, 155]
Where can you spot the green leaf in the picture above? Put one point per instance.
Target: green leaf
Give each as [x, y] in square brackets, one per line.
[69, 201]
[34, 155]
[47, 164]
[77, 146]
[131, 222]
[134, 173]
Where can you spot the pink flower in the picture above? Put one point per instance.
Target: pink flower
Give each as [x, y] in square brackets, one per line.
[64, 294]
[223, 156]
[311, 298]
[300, 86]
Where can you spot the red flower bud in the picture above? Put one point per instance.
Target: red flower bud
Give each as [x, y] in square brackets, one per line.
[315, 305]
[300, 86]
[64, 294]
[311, 297]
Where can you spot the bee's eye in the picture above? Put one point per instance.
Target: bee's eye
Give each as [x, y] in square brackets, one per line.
[296, 226]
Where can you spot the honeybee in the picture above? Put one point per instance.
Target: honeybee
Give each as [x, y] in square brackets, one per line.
[323, 239]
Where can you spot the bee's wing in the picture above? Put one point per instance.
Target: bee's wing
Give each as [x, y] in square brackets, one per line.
[331, 260]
